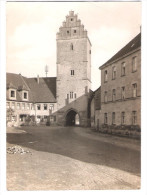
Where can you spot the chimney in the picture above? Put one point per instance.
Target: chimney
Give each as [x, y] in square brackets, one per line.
[38, 79]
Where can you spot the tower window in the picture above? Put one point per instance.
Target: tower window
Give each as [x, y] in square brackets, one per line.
[67, 31]
[72, 72]
[89, 51]
[75, 31]
[71, 95]
[71, 46]
[71, 19]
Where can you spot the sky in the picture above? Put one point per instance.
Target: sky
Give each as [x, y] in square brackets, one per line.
[31, 29]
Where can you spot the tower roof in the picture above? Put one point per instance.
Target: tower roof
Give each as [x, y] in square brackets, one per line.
[72, 28]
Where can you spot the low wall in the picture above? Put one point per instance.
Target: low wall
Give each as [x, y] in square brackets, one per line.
[133, 131]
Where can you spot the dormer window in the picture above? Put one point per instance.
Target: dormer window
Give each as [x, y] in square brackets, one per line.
[12, 94]
[25, 95]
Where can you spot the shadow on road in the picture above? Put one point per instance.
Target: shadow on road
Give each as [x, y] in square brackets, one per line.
[66, 142]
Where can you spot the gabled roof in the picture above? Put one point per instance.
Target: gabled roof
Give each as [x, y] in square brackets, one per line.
[132, 45]
[44, 91]
[11, 86]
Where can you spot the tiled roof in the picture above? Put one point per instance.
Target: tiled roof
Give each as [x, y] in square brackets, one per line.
[44, 91]
[132, 45]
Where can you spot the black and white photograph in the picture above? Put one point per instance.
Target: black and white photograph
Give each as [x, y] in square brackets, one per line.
[73, 95]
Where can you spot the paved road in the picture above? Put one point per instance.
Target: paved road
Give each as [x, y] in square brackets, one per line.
[72, 158]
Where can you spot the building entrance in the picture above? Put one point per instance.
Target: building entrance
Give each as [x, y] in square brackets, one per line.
[72, 118]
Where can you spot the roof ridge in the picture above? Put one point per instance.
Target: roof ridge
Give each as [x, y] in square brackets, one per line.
[24, 82]
[129, 47]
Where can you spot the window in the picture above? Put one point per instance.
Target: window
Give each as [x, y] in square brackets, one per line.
[105, 97]
[72, 72]
[23, 106]
[28, 106]
[105, 76]
[51, 107]
[18, 106]
[38, 107]
[52, 118]
[8, 105]
[134, 64]
[123, 93]
[113, 95]
[71, 46]
[32, 107]
[45, 116]
[89, 51]
[67, 96]
[134, 90]
[13, 105]
[12, 94]
[105, 118]
[71, 95]
[75, 95]
[134, 117]
[113, 72]
[123, 69]
[45, 106]
[75, 31]
[25, 95]
[67, 31]
[71, 19]
[113, 118]
[123, 118]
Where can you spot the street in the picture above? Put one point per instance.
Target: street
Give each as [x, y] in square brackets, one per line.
[71, 158]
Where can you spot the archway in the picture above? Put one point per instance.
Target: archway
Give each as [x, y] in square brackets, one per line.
[72, 118]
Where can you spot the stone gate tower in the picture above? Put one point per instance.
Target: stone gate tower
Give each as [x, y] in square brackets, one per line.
[73, 63]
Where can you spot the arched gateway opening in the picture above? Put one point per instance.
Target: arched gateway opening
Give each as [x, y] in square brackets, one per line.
[72, 118]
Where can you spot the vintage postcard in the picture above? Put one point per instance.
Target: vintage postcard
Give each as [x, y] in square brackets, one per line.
[73, 95]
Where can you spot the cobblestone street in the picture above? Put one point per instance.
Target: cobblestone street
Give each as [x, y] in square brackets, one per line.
[71, 158]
